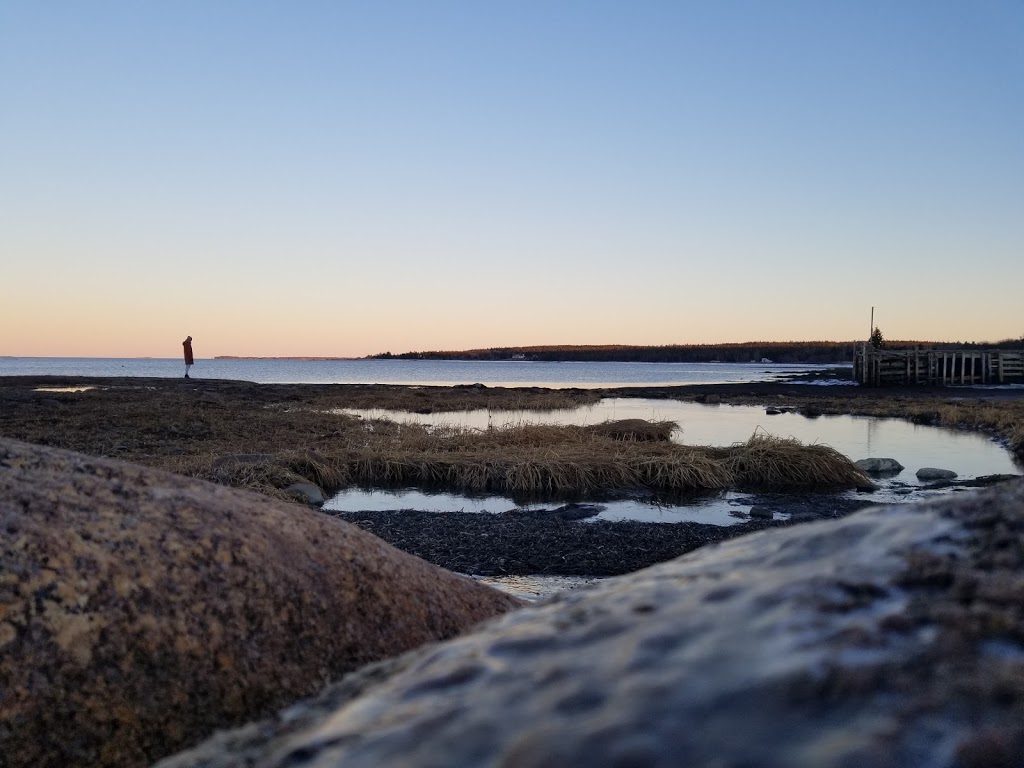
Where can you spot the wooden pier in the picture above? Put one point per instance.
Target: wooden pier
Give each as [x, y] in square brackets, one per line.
[936, 367]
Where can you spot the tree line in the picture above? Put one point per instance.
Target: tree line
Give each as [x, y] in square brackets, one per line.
[743, 352]
[779, 352]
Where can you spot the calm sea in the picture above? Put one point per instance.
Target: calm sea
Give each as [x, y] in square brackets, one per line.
[443, 372]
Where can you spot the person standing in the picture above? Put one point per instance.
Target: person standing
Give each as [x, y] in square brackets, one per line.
[187, 344]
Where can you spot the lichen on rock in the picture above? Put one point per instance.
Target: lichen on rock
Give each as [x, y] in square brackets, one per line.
[140, 611]
[892, 637]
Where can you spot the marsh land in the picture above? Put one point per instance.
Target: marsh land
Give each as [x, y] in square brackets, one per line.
[270, 438]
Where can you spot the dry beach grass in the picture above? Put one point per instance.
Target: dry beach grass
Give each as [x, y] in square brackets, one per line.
[532, 460]
[266, 437]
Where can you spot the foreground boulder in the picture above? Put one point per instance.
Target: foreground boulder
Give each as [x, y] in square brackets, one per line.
[893, 637]
[140, 610]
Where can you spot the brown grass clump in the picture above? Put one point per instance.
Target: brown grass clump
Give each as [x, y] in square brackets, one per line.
[769, 461]
[548, 460]
[1017, 440]
[266, 437]
[266, 473]
[441, 399]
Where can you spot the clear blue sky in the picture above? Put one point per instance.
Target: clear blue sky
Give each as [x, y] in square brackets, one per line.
[345, 178]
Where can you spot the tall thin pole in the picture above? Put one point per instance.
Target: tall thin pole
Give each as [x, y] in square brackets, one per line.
[871, 330]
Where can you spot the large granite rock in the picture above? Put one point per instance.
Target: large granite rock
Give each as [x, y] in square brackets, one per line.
[894, 637]
[141, 610]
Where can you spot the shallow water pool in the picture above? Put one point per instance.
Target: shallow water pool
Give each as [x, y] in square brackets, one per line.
[968, 454]
[727, 508]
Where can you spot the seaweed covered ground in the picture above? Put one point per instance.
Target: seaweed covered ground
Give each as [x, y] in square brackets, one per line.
[269, 438]
[266, 436]
[528, 542]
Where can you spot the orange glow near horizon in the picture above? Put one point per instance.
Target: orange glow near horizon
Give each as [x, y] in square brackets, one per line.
[114, 321]
[220, 333]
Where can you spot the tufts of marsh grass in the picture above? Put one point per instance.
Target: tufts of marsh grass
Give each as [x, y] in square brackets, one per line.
[1016, 439]
[265, 438]
[324, 471]
[525, 472]
[767, 461]
[447, 399]
[680, 470]
[537, 460]
[636, 430]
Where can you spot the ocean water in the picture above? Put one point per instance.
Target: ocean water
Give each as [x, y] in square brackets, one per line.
[517, 373]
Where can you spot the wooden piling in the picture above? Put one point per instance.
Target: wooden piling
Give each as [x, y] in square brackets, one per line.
[917, 366]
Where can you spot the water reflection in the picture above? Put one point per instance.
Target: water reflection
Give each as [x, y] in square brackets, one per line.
[727, 508]
[970, 455]
[914, 446]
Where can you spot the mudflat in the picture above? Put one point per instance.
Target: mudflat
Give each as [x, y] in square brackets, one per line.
[272, 437]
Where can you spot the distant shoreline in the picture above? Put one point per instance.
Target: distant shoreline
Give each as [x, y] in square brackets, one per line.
[248, 357]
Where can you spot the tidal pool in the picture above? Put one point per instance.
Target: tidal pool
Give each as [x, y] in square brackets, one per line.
[727, 508]
[534, 588]
[969, 454]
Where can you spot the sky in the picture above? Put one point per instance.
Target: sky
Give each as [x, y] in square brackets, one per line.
[347, 178]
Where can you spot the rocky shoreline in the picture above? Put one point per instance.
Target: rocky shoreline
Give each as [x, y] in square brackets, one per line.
[524, 542]
[141, 610]
[545, 543]
[887, 639]
[191, 415]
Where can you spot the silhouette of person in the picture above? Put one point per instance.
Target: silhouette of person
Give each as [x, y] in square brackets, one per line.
[187, 344]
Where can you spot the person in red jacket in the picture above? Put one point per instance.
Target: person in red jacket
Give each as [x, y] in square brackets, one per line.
[187, 344]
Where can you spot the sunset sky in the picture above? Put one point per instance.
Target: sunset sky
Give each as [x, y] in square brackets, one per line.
[345, 178]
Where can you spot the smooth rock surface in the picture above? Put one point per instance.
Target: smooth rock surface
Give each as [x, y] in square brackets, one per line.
[140, 610]
[892, 637]
[931, 473]
[307, 493]
[876, 466]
